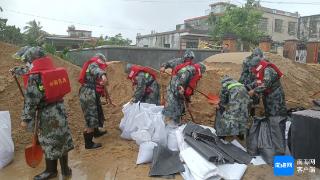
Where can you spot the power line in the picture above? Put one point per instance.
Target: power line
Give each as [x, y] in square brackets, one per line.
[286, 2]
[67, 21]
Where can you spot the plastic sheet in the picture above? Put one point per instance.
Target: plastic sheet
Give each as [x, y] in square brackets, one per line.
[232, 171]
[165, 162]
[6, 143]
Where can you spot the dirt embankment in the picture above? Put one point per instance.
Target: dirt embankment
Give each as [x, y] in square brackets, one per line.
[117, 157]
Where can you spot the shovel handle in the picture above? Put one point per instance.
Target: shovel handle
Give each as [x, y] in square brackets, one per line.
[195, 89]
[18, 84]
[36, 127]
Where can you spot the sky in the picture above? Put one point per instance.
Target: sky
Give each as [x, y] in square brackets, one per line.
[128, 17]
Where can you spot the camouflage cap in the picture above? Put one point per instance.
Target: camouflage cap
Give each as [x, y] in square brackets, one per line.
[19, 53]
[257, 52]
[188, 55]
[101, 56]
[127, 68]
[33, 53]
[255, 61]
[225, 78]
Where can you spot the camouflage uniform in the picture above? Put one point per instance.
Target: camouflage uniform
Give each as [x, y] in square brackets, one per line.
[88, 95]
[275, 107]
[234, 99]
[274, 102]
[175, 102]
[54, 133]
[145, 80]
[172, 63]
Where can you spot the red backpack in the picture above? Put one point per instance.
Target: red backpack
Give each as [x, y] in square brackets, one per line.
[102, 65]
[193, 82]
[55, 81]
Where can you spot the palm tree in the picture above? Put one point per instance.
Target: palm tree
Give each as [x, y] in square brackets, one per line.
[33, 32]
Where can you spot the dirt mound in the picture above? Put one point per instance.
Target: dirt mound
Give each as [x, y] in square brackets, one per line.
[300, 81]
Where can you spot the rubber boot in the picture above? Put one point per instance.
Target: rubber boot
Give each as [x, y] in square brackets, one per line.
[50, 172]
[89, 144]
[65, 169]
[97, 133]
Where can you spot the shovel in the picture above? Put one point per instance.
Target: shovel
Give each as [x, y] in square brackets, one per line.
[212, 98]
[33, 152]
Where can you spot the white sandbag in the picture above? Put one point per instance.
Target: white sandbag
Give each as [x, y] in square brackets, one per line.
[159, 134]
[199, 167]
[132, 120]
[232, 171]
[145, 152]
[6, 143]
[141, 136]
[125, 110]
[172, 139]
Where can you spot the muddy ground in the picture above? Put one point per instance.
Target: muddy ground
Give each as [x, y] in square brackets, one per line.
[116, 160]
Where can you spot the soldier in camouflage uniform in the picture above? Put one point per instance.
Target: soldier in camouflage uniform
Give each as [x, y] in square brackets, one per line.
[88, 100]
[54, 133]
[146, 87]
[174, 108]
[247, 77]
[274, 102]
[234, 102]
[188, 57]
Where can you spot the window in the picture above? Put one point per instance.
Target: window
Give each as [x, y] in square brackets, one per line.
[313, 27]
[263, 24]
[192, 45]
[292, 28]
[166, 45]
[145, 45]
[278, 25]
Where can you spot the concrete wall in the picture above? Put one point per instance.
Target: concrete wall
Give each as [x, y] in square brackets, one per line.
[152, 57]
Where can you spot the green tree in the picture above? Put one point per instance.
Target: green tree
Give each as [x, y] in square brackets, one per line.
[117, 40]
[33, 31]
[242, 22]
[10, 34]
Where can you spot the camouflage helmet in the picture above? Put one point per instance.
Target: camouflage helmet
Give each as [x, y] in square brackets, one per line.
[188, 54]
[202, 68]
[127, 68]
[255, 61]
[257, 52]
[32, 53]
[101, 56]
[19, 53]
[225, 79]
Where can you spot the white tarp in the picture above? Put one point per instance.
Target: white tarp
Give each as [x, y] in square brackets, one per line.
[232, 171]
[6, 143]
[200, 168]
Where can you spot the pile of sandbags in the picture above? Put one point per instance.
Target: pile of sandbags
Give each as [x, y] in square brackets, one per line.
[6, 143]
[144, 123]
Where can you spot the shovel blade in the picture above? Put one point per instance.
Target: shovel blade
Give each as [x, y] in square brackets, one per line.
[213, 99]
[33, 155]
